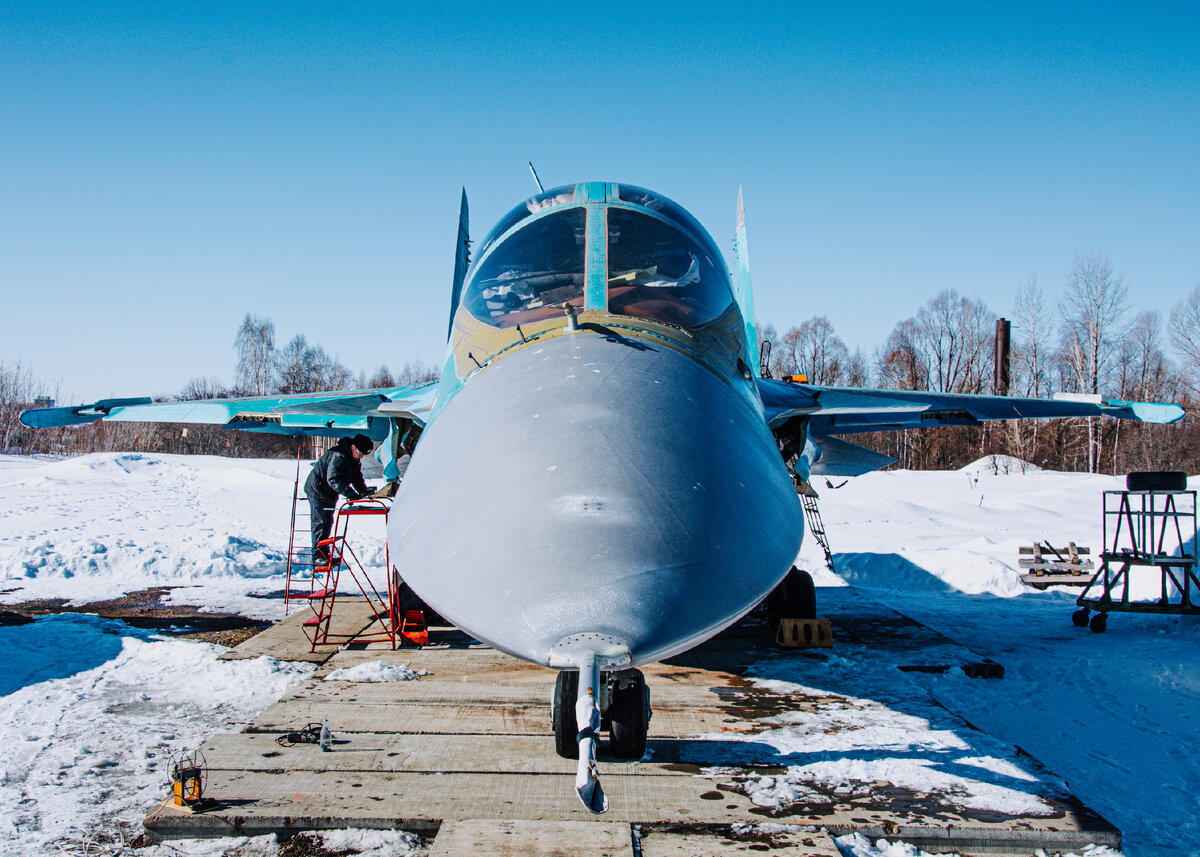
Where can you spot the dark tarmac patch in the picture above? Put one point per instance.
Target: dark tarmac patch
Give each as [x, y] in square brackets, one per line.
[145, 609]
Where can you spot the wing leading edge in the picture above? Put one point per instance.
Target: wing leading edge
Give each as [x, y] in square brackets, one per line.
[324, 414]
[826, 411]
[384, 415]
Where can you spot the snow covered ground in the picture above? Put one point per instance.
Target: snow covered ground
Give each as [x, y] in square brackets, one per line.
[1115, 714]
[92, 709]
[97, 526]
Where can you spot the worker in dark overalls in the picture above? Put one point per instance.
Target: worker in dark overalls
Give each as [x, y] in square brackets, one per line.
[337, 472]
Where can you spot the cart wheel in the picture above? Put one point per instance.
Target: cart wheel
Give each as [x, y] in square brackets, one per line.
[1080, 617]
[1099, 623]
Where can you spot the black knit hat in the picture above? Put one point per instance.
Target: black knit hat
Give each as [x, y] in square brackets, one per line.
[363, 443]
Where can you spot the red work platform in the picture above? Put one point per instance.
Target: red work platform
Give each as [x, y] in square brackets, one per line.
[393, 623]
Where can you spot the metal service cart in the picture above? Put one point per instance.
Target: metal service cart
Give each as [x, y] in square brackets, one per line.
[1151, 525]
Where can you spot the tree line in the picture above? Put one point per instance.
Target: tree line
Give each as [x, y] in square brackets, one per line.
[1089, 341]
[260, 369]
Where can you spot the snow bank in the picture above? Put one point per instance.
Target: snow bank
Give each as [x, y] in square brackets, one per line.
[97, 526]
[372, 671]
[362, 843]
[85, 742]
[960, 530]
[857, 845]
[999, 464]
[880, 727]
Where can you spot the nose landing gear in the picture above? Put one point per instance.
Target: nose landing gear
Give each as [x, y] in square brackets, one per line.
[625, 703]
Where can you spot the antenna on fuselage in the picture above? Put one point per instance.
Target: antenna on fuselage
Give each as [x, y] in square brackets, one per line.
[536, 179]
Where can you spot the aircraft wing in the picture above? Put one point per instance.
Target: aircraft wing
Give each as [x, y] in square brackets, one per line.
[842, 410]
[329, 414]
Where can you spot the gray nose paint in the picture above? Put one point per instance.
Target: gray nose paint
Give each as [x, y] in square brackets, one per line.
[596, 484]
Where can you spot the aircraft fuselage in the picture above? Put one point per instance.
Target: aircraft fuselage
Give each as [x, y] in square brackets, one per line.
[604, 469]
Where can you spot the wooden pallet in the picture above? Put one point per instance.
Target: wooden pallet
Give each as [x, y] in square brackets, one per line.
[1046, 565]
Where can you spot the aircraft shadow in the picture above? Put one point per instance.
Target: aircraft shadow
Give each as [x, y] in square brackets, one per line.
[60, 646]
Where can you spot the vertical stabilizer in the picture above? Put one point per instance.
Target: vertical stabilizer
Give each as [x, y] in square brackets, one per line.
[741, 286]
[462, 258]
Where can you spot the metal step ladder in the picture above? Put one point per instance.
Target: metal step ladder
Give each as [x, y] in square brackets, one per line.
[816, 526]
[301, 579]
[316, 585]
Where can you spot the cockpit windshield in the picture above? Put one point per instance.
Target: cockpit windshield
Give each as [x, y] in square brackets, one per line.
[531, 206]
[532, 273]
[657, 272]
[670, 209]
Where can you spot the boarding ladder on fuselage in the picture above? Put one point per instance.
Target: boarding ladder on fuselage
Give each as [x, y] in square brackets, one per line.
[816, 526]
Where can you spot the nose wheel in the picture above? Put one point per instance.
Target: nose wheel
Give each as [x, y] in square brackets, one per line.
[626, 715]
[629, 715]
[562, 714]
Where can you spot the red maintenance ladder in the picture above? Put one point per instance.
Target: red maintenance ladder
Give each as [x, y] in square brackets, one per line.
[317, 586]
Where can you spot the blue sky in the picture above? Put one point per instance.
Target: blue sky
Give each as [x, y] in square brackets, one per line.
[165, 170]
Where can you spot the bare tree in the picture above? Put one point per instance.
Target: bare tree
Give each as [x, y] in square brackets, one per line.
[382, 378]
[295, 366]
[1031, 350]
[1185, 336]
[901, 363]
[1031, 353]
[954, 335]
[417, 372]
[1145, 374]
[331, 373]
[19, 389]
[946, 347]
[1092, 310]
[203, 388]
[821, 352]
[857, 372]
[255, 345]
[786, 353]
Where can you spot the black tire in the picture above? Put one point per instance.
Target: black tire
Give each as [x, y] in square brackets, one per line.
[1080, 617]
[1099, 623]
[794, 598]
[629, 713]
[562, 714]
[1156, 480]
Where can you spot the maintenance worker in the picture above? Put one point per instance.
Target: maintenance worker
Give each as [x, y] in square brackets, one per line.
[336, 472]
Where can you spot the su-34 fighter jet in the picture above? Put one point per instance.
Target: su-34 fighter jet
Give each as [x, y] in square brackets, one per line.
[603, 479]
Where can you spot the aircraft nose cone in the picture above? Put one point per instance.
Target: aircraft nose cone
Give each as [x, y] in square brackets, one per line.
[596, 484]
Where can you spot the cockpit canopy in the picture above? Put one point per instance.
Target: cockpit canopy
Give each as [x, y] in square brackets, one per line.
[631, 253]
